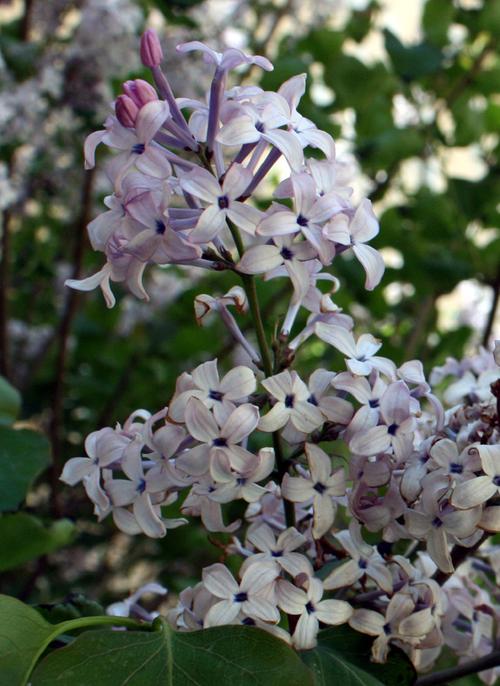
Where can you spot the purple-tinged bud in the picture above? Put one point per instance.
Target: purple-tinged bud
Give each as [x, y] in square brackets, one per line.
[126, 111]
[140, 91]
[151, 52]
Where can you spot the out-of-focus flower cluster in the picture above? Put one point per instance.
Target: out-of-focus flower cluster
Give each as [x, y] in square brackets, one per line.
[367, 529]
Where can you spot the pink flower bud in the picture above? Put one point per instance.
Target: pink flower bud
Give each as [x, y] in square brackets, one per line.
[126, 111]
[151, 52]
[140, 91]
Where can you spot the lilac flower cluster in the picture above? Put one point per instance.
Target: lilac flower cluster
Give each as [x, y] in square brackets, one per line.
[395, 466]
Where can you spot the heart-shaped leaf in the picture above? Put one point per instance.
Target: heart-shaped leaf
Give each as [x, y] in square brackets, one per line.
[241, 655]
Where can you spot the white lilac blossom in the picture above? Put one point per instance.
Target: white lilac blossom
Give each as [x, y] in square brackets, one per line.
[421, 483]
[311, 609]
[321, 487]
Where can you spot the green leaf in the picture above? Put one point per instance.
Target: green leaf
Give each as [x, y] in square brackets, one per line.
[414, 61]
[74, 606]
[25, 537]
[24, 455]
[10, 402]
[341, 651]
[222, 655]
[23, 637]
[437, 17]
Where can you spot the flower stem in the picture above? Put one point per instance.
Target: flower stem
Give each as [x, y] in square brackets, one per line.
[105, 620]
[267, 364]
[472, 667]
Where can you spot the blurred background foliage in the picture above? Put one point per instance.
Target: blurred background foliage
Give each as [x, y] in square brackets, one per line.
[410, 91]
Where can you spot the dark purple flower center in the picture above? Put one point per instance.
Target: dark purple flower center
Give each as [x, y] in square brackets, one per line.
[319, 487]
[138, 148]
[456, 468]
[141, 486]
[260, 126]
[310, 608]
[311, 399]
[248, 621]
[215, 395]
[286, 253]
[240, 597]
[223, 202]
[289, 400]
[277, 553]
[241, 481]
[437, 522]
[496, 480]
[374, 402]
[392, 429]
[219, 442]
[302, 221]
[160, 227]
[362, 564]
[387, 629]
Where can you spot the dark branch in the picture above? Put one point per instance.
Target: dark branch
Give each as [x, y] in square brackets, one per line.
[472, 667]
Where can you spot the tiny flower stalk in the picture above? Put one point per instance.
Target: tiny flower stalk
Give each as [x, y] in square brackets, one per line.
[267, 364]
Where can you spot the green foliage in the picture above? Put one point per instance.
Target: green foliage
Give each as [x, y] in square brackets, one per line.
[10, 402]
[25, 537]
[222, 655]
[436, 20]
[23, 637]
[24, 455]
[74, 606]
[343, 656]
[412, 62]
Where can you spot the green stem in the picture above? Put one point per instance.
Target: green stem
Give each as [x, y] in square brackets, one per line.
[267, 364]
[104, 620]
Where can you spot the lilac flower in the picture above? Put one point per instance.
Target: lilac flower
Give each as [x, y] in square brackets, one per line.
[292, 404]
[362, 228]
[283, 251]
[135, 146]
[401, 622]
[437, 521]
[157, 241]
[321, 486]
[478, 490]
[222, 202]
[309, 214]
[202, 426]
[364, 560]
[261, 120]
[138, 491]
[280, 550]
[306, 131]
[246, 597]
[361, 354]
[398, 427]
[229, 59]
[218, 395]
[241, 481]
[307, 604]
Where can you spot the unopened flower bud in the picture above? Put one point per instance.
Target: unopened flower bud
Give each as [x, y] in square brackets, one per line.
[140, 91]
[126, 111]
[151, 52]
